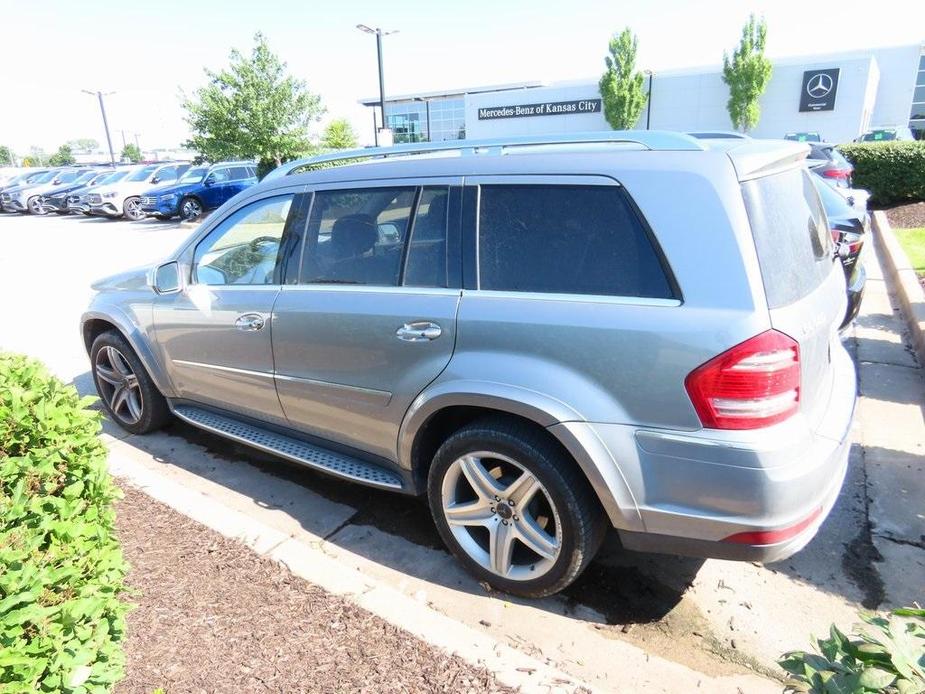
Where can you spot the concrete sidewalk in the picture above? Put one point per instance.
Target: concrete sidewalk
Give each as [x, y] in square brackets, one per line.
[891, 416]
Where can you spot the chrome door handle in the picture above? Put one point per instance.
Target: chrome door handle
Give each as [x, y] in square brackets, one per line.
[420, 331]
[249, 322]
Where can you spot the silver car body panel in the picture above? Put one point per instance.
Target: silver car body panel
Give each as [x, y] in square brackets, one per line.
[604, 375]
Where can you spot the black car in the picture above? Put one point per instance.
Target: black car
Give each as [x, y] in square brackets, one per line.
[829, 163]
[849, 227]
[57, 202]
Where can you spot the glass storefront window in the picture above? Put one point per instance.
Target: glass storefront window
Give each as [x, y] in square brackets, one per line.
[408, 120]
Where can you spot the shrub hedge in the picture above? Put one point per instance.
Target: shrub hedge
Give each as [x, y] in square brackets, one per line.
[891, 171]
[61, 566]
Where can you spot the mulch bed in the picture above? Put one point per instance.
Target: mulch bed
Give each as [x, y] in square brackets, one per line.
[910, 215]
[212, 616]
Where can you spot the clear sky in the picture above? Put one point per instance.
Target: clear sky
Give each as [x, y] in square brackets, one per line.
[147, 52]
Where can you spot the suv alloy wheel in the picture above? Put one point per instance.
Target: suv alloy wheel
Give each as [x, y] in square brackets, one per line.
[513, 508]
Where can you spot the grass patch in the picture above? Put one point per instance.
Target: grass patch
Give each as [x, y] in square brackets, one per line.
[913, 243]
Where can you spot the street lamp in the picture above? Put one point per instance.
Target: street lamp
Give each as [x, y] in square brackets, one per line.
[100, 95]
[379, 34]
[651, 74]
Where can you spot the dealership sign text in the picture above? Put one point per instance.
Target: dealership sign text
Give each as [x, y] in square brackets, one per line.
[549, 108]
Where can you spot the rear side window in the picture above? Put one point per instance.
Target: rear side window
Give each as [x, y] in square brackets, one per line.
[239, 173]
[791, 237]
[566, 239]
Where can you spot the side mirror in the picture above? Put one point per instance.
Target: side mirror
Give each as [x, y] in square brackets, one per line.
[209, 181]
[155, 180]
[165, 279]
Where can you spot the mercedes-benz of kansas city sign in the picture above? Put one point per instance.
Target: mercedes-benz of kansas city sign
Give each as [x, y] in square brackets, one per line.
[819, 88]
[553, 108]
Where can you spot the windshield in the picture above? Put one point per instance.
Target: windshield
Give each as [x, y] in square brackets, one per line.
[879, 135]
[142, 174]
[67, 177]
[86, 176]
[41, 178]
[194, 175]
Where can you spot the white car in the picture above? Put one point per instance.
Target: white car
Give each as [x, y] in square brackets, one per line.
[124, 197]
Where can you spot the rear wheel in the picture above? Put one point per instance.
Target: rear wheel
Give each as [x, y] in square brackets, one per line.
[513, 508]
[132, 209]
[127, 392]
[190, 209]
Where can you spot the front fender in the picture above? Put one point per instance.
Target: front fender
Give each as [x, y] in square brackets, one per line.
[136, 338]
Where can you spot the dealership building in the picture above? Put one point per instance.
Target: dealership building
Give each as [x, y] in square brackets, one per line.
[838, 95]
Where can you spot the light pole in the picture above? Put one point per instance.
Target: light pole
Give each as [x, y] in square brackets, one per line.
[649, 98]
[379, 34]
[100, 95]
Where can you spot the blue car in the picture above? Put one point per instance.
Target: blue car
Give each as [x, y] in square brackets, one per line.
[201, 188]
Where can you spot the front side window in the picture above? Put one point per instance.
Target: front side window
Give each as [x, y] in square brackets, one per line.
[357, 236]
[566, 239]
[242, 249]
[218, 176]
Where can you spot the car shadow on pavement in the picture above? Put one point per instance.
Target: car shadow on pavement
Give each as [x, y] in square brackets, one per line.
[620, 587]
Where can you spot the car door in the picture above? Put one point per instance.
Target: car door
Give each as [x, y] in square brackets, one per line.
[216, 333]
[214, 189]
[239, 180]
[372, 319]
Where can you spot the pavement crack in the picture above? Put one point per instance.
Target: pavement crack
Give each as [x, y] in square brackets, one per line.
[340, 527]
[920, 544]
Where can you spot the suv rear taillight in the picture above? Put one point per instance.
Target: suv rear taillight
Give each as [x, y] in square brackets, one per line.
[837, 173]
[752, 385]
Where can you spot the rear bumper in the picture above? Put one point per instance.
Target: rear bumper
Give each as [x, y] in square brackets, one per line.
[694, 491]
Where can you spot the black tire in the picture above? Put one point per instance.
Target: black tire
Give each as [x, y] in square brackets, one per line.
[154, 411]
[580, 518]
[191, 208]
[131, 209]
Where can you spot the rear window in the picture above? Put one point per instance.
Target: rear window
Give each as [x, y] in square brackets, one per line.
[791, 236]
[566, 239]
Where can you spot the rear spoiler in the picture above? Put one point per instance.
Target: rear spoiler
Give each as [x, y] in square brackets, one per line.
[757, 158]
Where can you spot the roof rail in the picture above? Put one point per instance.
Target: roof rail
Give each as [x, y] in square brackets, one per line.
[663, 140]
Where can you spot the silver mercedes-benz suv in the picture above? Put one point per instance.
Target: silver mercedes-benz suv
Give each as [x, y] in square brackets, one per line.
[545, 337]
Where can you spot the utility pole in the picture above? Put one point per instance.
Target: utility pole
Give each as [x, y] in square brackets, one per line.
[649, 99]
[100, 95]
[379, 34]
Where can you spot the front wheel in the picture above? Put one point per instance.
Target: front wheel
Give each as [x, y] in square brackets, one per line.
[128, 393]
[190, 209]
[132, 209]
[513, 508]
[35, 206]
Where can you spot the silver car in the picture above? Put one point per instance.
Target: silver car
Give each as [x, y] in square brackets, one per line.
[543, 337]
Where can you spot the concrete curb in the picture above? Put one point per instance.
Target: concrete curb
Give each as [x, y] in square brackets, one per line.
[509, 665]
[903, 281]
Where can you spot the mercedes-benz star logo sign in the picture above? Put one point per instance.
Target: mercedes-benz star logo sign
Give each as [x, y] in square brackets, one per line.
[819, 86]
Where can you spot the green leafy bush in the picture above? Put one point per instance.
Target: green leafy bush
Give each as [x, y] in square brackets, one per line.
[61, 567]
[891, 171]
[888, 658]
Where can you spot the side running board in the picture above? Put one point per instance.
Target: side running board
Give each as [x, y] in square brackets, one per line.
[290, 448]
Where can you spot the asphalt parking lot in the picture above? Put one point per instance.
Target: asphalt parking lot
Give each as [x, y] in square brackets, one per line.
[714, 617]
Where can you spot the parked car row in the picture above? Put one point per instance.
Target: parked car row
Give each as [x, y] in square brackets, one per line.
[163, 190]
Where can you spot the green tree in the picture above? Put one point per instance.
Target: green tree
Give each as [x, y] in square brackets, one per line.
[6, 156]
[63, 157]
[253, 109]
[621, 85]
[747, 74]
[131, 152]
[339, 135]
[84, 144]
